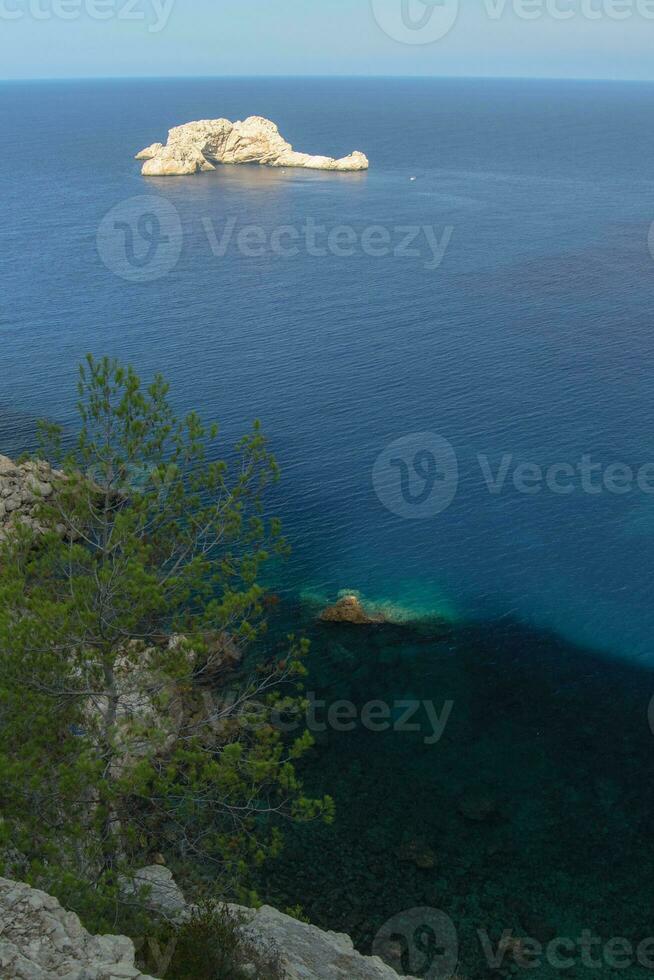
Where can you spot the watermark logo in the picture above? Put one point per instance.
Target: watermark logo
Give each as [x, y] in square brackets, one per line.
[416, 21]
[422, 942]
[427, 21]
[417, 477]
[141, 239]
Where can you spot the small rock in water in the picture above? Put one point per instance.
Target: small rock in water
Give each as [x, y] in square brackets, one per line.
[478, 803]
[349, 610]
[418, 852]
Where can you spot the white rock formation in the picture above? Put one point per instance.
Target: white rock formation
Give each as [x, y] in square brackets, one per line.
[308, 953]
[304, 951]
[162, 896]
[149, 152]
[150, 711]
[201, 145]
[39, 940]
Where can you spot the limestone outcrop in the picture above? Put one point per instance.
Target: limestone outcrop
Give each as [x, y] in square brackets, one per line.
[200, 146]
[303, 951]
[39, 940]
[308, 953]
[151, 712]
[158, 890]
[22, 487]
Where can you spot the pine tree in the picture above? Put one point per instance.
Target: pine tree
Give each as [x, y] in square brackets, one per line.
[137, 706]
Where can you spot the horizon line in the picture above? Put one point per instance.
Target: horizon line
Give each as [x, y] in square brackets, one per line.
[447, 77]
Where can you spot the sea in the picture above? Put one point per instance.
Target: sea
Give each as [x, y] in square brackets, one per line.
[452, 355]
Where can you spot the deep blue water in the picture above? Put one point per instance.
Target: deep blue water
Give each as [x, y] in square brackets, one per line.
[533, 337]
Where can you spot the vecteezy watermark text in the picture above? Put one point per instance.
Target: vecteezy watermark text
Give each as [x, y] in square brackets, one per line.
[617, 10]
[583, 476]
[423, 242]
[425, 942]
[141, 239]
[408, 716]
[153, 13]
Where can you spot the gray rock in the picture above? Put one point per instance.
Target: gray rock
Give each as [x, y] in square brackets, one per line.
[164, 896]
[23, 487]
[41, 941]
[308, 953]
[7, 466]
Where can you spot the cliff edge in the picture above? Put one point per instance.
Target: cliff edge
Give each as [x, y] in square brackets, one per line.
[40, 940]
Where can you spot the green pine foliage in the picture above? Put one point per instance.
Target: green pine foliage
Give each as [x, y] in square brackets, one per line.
[129, 723]
[212, 944]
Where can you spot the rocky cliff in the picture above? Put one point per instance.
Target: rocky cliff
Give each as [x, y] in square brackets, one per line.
[22, 487]
[39, 940]
[199, 146]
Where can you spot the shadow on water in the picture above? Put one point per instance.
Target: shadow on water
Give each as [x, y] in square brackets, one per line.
[532, 812]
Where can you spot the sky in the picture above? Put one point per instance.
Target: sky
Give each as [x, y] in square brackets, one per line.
[533, 38]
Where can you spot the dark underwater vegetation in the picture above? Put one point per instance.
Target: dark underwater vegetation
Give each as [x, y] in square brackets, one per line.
[534, 812]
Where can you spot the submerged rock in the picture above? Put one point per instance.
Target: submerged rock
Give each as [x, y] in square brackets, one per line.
[479, 803]
[349, 610]
[199, 146]
[418, 852]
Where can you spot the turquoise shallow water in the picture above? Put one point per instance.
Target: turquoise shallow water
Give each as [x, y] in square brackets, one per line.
[532, 338]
